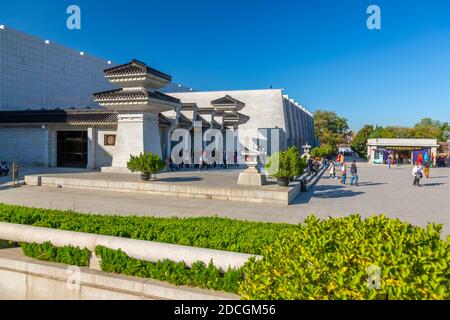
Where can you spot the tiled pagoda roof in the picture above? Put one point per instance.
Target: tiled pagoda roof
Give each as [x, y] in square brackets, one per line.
[130, 95]
[135, 67]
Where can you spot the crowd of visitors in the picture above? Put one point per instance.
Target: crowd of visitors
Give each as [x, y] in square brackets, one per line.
[343, 168]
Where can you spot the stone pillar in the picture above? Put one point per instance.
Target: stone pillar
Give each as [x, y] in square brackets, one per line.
[53, 146]
[92, 148]
[137, 132]
[197, 141]
[46, 159]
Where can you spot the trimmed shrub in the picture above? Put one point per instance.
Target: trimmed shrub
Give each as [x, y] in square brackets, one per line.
[146, 163]
[204, 232]
[286, 164]
[199, 275]
[335, 259]
[338, 258]
[47, 252]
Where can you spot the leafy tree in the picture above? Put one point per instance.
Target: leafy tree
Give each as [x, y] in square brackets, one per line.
[324, 151]
[330, 128]
[359, 144]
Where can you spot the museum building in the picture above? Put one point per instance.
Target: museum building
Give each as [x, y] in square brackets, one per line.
[99, 129]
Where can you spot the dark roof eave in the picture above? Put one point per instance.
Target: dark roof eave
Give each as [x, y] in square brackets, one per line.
[144, 66]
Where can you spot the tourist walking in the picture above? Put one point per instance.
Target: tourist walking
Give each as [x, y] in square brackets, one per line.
[344, 173]
[426, 169]
[417, 173]
[354, 173]
[332, 170]
[389, 162]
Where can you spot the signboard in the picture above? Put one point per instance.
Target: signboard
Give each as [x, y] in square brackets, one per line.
[110, 140]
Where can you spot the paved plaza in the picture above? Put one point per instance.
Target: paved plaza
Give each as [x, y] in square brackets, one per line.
[381, 191]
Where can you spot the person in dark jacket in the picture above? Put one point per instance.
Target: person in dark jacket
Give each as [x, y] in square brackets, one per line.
[354, 173]
[4, 170]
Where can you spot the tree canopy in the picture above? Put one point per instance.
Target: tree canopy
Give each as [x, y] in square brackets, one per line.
[359, 144]
[330, 128]
[425, 129]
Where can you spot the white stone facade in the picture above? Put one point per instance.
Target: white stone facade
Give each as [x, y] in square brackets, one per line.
[35, 74]
[267, 109]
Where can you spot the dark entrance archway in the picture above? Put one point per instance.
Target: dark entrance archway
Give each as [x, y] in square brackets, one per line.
[72, 149]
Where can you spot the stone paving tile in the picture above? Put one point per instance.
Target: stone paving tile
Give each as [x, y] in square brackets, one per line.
[381, 191]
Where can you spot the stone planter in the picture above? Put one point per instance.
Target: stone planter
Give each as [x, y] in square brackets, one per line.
[283, 182]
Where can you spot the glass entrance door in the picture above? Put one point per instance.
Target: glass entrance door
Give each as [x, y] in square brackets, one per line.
[72, 149]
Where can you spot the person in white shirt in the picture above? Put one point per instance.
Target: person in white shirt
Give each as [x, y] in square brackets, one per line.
[344, 173]
[417, 174]
[332, 170]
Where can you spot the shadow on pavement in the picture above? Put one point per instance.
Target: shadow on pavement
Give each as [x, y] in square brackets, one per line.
[437, 184]
[180, 179]
[325, 192]
[338, 194]
[367, 184]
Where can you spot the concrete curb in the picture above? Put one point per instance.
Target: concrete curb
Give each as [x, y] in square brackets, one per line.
[26, 278]
[138, 249]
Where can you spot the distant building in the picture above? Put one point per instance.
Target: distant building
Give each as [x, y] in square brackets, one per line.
[406, 151]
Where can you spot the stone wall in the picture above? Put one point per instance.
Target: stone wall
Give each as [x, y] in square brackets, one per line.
[34, 74]
[28, 146]
[104, 154]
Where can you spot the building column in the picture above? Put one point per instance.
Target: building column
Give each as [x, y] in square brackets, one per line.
[45, 152]
[92, 148]
[137, 132]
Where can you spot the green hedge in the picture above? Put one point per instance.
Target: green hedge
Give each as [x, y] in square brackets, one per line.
[333, 259]
[47, 252]
[319, 259]
[199, 275]
[206, 232]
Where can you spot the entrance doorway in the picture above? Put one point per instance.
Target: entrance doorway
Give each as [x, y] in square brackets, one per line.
[72, 149]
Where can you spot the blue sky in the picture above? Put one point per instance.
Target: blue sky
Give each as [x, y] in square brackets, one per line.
[320, 51]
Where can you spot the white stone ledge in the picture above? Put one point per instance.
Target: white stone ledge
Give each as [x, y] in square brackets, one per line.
[26, 278]
[280, 197]
[138, 249]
